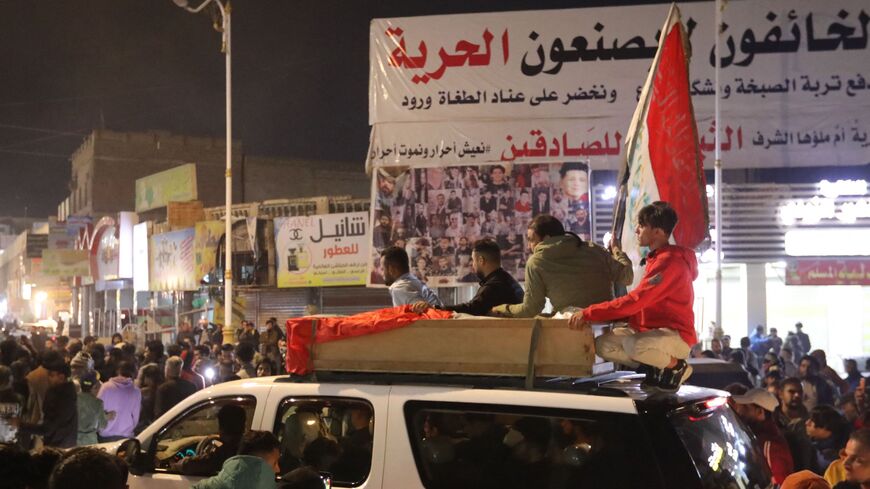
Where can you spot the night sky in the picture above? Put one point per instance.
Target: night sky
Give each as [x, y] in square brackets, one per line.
[300, 78]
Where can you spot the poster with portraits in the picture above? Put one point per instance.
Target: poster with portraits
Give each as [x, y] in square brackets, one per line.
[437, 213]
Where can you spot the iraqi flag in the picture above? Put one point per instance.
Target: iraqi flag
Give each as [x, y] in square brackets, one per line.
[663, 159]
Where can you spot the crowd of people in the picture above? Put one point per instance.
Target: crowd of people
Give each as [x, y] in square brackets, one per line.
[812, 424]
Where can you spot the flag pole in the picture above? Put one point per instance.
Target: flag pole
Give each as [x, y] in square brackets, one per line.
[717, 165]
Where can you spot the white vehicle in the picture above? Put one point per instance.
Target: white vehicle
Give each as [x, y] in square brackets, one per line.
[471, 432]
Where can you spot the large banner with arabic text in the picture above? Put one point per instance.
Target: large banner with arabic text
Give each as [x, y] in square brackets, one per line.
[438, 213]
[322, 250]
[510, 86]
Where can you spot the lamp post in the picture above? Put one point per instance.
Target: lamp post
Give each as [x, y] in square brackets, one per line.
[223, 7]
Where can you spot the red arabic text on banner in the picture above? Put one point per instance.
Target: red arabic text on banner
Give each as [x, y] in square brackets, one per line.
[663, 159]
[299, 330]
[828, 272]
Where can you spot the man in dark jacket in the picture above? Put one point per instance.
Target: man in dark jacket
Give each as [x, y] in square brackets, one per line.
[59, 426]
[497, 286]
[174, 389]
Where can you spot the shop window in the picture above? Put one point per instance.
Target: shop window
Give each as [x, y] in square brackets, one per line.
[460, 446]
[329, 435]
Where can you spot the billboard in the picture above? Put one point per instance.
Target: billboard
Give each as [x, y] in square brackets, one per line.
[322, 250]
[172, 261]
[174, 185]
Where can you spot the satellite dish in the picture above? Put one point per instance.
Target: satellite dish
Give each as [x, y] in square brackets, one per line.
[181, 3]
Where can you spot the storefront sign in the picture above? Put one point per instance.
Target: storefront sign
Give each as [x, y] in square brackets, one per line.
[172, 264]
[66, 263]
[323, 250]
[828, 272]
[174, 185]
[140, 257]
[554, 85]
[438, 213]
[208, 236]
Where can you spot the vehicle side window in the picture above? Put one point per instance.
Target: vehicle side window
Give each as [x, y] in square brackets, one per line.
[327, 434]
[185, 435]
[459, 445]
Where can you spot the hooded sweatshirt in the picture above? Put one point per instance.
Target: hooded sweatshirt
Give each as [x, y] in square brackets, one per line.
[121, 396]
[663, 299]
[569, 275]
[241, 472]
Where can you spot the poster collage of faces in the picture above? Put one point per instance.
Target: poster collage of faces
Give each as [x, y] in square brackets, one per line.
[437, 214]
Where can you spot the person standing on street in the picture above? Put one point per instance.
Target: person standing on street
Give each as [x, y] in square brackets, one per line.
[120, 395]
[91, 415]
[756, 409]
[806, 345]
[59, 425]
[174, 389]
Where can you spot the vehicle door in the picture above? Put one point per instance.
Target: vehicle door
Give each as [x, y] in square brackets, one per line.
[338, 430]
[184, 432]
[443, 438]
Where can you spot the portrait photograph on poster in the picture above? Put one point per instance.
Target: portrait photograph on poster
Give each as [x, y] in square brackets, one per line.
[436, 214]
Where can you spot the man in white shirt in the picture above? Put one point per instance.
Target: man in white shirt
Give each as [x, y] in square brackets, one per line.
[404, 287]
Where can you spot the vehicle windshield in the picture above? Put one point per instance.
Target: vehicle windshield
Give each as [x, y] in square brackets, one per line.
[721, 450]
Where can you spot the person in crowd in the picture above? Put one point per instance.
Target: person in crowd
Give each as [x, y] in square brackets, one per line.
[804, 479]
[203, 364]
[89, 468]
[853, 375]
[116, 339]
[756, 408]
[760, 343]
[245, 356]
[59, 424]
[497, 286]
[80, 365]
[816, 389]
[154, 355]
[774, 341]
[806, 345]
[856, 461]
[227, 362]
[752, 364]
[828, 431]
[659, 310]
[110, 367]
[848, 406]
[249, 334]
[269, 341]
[828, 373]
[187, 371]
[151, 378]
[38, 384]
[716, 348]
[174, 389]
[120, 394]
[265, 368]
[91, 415]
[253, 468]
[404, 287]
[302, 478]
[726, 347]
[11, 403]
[567, 270]
[42, 463]
[232, 423]
[791, 397]
[786, 357]
[771, 381]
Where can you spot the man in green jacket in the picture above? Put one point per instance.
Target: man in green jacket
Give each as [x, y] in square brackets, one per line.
[567, 270]
[253, 468]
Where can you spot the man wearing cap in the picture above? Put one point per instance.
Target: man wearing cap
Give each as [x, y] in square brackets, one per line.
[59, 426]
[92, 418]
[756, 409]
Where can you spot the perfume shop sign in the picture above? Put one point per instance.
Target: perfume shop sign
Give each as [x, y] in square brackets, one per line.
[322, 250]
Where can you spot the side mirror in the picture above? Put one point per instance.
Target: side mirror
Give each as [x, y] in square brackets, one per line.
[130, 450]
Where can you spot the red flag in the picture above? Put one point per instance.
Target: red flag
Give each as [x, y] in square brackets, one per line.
[663, 159]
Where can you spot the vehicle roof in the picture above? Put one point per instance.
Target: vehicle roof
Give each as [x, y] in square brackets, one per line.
[615, 384]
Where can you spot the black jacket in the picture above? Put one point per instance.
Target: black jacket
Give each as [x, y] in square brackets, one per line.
[499, 287]
[171, 392]
[60, 420]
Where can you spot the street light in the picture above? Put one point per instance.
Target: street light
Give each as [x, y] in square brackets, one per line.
[224, 7]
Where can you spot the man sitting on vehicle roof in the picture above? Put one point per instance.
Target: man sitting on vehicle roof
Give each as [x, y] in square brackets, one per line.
[659, 310]
[405, 288]
[497, 286]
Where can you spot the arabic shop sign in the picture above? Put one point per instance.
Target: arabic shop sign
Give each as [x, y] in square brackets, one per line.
[323, 250]
[174, 185]
[828, 272]
[487, 81]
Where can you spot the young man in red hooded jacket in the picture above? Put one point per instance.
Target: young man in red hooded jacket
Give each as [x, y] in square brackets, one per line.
[661, 326]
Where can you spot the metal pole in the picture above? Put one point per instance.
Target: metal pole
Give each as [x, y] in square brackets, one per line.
[717, 172]
[228, 332]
